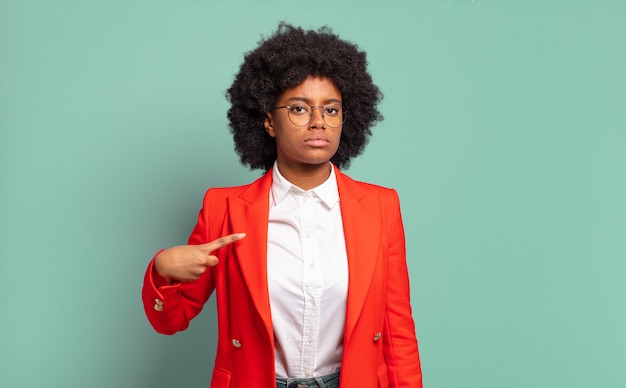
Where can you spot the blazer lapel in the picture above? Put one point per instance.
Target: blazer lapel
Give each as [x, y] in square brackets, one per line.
[249, 213]
[361, 225]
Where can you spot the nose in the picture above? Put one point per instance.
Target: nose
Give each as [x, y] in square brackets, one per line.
[317, 118]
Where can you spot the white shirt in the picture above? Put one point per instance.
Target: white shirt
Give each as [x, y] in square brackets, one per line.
[307, 270]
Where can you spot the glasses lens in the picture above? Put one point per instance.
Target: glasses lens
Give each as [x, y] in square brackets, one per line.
[333, 115]
[300, 114]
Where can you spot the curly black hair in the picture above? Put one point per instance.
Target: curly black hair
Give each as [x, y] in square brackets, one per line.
[285, 60]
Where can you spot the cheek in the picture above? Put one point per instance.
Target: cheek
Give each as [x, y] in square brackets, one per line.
[338, 137]
[286, 143]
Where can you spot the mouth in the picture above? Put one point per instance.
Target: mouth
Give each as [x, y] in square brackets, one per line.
[317, 141]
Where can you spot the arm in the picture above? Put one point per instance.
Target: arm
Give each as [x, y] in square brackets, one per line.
[399, 341]
[179, 280]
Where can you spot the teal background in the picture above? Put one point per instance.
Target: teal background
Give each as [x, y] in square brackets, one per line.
[504, 134]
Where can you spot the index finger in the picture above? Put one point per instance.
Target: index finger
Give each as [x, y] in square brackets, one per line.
[222, 242]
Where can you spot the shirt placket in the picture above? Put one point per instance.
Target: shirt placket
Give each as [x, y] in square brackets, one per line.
[312, 283]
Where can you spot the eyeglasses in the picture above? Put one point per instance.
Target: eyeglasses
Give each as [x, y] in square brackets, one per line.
[301, 114]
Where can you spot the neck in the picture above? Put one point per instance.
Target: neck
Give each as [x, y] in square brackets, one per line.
[306, 176]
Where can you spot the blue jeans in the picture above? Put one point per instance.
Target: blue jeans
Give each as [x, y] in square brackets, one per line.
[328, 381]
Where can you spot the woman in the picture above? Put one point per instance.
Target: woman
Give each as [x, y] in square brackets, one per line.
[308, 266]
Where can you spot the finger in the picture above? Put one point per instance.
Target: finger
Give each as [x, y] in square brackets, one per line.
[198, 271]
[211, 261]
[222, 242]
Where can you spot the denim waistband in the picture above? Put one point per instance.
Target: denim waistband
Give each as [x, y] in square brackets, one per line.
[327, 381]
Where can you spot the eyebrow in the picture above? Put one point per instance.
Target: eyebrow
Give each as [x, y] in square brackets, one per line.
[308, 101]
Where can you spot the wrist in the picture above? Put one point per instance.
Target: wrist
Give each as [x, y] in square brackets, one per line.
[160, 280]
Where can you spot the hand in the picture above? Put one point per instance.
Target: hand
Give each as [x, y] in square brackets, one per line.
[188, 262]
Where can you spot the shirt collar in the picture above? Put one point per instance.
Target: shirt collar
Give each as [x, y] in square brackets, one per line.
[327, 192]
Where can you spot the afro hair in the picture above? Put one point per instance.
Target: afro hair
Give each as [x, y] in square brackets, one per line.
[284, 60]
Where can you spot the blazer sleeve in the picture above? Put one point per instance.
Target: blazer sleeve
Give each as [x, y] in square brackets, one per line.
[399, 342]
[170, 308]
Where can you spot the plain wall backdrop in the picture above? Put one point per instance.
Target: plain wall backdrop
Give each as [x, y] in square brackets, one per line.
[504, 134]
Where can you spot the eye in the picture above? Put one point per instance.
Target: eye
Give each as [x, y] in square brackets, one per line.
[332, 110]
[299, 109]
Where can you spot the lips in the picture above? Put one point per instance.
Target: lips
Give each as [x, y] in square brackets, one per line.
[317, 141]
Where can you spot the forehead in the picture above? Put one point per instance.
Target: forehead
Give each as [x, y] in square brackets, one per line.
[313, 88]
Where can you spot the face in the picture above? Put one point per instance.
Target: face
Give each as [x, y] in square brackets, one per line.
[312, 145]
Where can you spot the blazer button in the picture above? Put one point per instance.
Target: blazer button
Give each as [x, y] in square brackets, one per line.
[236, 343]
[377, 336]
[158, 305]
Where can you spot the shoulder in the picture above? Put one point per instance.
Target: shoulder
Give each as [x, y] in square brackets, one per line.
[250, 190]
[223, 192]
[361, 189]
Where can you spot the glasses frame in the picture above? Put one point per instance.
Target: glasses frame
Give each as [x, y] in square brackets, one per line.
[288, 107]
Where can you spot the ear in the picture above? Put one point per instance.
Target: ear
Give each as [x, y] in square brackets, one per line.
[269, 126]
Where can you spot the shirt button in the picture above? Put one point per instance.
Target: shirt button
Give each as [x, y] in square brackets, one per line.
[236, 343]
[158, 305]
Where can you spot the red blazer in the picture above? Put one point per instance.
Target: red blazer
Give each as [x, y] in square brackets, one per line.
[380, 348]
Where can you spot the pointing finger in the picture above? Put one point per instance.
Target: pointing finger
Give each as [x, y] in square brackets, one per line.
[222, 242]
